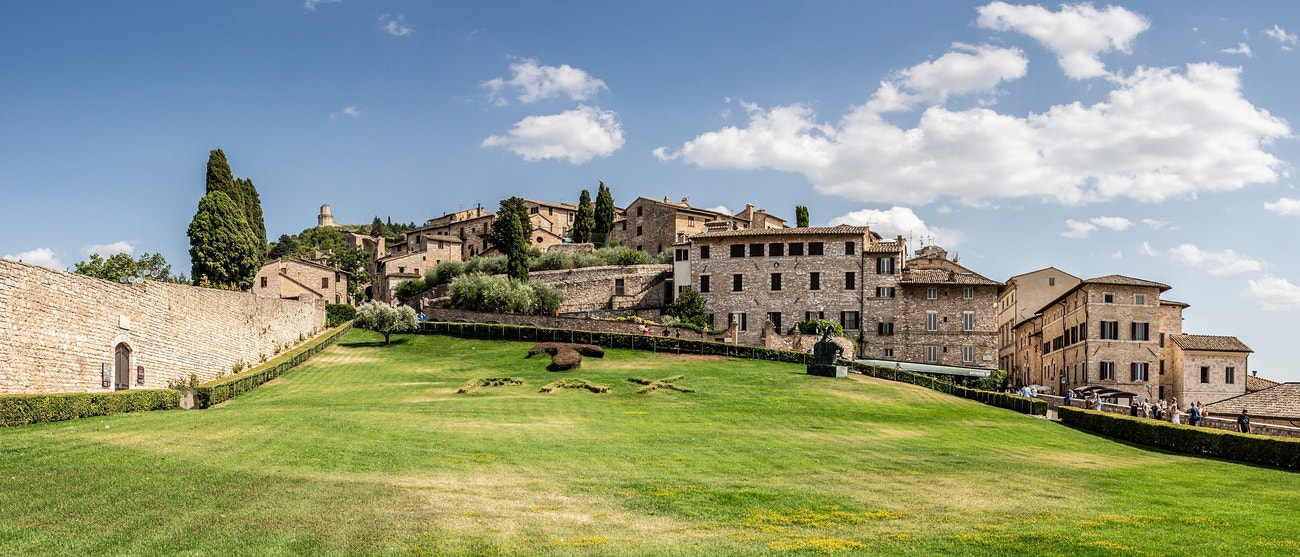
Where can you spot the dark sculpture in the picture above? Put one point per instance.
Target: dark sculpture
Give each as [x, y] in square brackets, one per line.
[825, 353]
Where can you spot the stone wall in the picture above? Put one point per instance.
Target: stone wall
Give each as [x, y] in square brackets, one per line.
[588, 289]
[58, 329]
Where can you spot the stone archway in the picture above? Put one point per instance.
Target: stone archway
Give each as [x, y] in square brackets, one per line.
[122, 367]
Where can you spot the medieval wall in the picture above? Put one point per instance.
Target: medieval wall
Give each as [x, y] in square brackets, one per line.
[58, 329]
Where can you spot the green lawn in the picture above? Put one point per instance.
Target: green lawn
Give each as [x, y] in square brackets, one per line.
[369, 450]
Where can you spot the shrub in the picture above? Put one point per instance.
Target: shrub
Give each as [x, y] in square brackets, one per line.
[223, 389]
[32, 409]
[385, 319]
[552, 261]
[1243, 447]
[548, 298]
[444, 272]
[338, 314]
[411, 288]
[816, 326]
[488, 265]
[480, 292]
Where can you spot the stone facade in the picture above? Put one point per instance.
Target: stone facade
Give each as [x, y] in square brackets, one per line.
[788, 275]
[59, 331]
[1206, 368]
[1020, 299]
[302, 280]
[623, 289]
[653, 226]
[945, 314]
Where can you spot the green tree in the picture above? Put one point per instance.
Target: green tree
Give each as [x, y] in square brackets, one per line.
[286, 246]
[241, 191]
[801, 216]
[510, 234]
[585, 221]
[355, 262]
[385, 319]
[219, 176]
[604, 217]
[120, 265]
[252, 208]
[689, 307]
[223, 249]
[377, 227]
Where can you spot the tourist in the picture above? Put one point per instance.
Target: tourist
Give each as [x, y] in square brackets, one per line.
[1146, 409]
[1195, 415]
[1159, 410]
[1243, 421]
[421, 316]
[1069, 398]
[1096, 401]
[1133, 408]
[1175, 415]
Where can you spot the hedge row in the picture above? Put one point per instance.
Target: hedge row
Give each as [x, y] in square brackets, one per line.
[704, 347]
[1283, 452]
[32, 409]
[223, 389]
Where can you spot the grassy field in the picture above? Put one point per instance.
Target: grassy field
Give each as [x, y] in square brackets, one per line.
[369, 450]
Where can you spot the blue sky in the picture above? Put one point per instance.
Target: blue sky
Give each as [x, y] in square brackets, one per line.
[1150, 139]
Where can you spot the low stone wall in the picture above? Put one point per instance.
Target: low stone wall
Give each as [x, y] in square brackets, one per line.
[58, 330]
[593, 288]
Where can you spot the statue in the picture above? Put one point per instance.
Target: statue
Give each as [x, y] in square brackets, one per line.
[825, 353]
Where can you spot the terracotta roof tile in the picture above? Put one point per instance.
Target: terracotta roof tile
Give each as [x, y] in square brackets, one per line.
[1254, 383]
[810, 231]
[1126, 281]
[1210, 343]
[1281, 401]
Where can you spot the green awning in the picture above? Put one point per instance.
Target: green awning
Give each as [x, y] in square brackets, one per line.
[928, 368]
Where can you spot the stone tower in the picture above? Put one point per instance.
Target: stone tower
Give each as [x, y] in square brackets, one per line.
[325, 218]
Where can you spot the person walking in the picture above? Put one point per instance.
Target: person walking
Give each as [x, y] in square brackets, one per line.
[1243, 421]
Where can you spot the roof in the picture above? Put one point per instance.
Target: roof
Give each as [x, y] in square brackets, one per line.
[1255, 383]
[1122, 280]
[1013, 279]
[1209, 343]
[808, 231]
[1282, 401]
[943, 276]
[682, 207]
[284, 261]
[1175, 303]
[928, 368]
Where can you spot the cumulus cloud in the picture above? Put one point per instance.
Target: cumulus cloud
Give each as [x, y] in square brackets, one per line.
[1241, 48]
[1273, 293]
[310, 5]
[900, 221]
[967, 69]
[1285, 206]
[396, 25]
[40, 256]
[534, 82]
[1157, 224]
[1077, 34]
[576, 135]
[1078, 229]
[105, 250]
[1287, 40]
[1160, 133]
[1226, 262]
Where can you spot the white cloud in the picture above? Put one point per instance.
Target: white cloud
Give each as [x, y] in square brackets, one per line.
[721, 209]
[1287, 40]
[1078, 229]
[1159, 134]
[1226, 262]
[40, 256]
[901, 221]
[576, 135]
[349, 111]
[105, 250]
[1285, 206]
[1147, 250]
[310, 5]
[1273, 293]
[396, 25]
[1157, 224]
[1077, 34]
[534, 83]
[1113, 223]
[968, 69]
[1241, 48]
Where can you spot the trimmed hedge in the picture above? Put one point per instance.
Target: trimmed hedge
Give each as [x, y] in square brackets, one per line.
[491, 331]
[1283, 452]
[216, 392]
[32, 409]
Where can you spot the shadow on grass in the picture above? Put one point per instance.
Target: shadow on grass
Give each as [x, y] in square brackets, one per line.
[373, 343]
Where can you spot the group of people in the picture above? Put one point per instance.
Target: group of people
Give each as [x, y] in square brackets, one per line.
[1193, 414]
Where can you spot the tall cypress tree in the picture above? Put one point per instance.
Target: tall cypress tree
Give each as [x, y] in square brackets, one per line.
[223, 250]
[510, 234]
[604, 211]
[252, 208]
[219, 176]
[585, 221]
[801, 216]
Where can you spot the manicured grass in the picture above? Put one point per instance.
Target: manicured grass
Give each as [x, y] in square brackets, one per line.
[369, 450]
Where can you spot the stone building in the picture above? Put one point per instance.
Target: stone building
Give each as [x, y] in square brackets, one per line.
[411, 260]
[1019, 299]
[1277, 405]
[470, 226]
[614, 289]
[301, 280]
[787, 275]
[945, 316]
[652, 225]
[1206, 368]
[326, 219]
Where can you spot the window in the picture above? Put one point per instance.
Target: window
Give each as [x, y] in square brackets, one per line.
[618, 287]
[704, 283]
[624, 225]
[885, 266]
[1108, 371]
[931, 320]
[1110, 330]
[849, 248]
[849, 320]
[932, 293]
[776, 281]
[638, 210]
[756, 250]
[968, 293]
[737, 283]
[1108, 298]
[884, 292]
[889, 352]
[704, 252]
[738, 317]
[1140, 371]
[814, 281]
[967, 353]
[796, 248]
[263, 282]
[885, 329]
[681, 254]
[324, 282]
[1051, 281]
[776, 249]
[850, 280]
[814, 248]
[709, 320]
[1205, 374]
[968, 321]
[931, 353]
[810, 315]
[1229, 375]
[737, 250]
[638, 232]
[1140, 299]
[1141, 331]
[775, 318]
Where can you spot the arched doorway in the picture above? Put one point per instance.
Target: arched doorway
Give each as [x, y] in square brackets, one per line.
[122, 367]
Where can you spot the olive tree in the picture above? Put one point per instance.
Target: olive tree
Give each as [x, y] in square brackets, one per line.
[385, 319]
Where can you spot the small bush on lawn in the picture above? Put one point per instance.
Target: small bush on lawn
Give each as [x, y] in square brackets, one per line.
[574, 383]
[476, 384]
